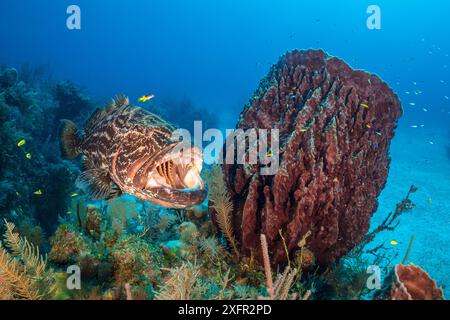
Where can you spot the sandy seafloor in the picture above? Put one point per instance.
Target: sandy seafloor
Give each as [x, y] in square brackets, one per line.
[420, 156]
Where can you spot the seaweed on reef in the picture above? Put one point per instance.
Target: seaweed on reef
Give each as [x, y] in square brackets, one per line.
[23, 270]
[124, 263]
[110, 252]
[182, 284]
[221, 204]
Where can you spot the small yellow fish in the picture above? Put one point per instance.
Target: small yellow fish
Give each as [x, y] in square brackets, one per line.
[38, 192]
[430, 201]
[369, 126]
[146, 98]
[21, 142]
[269, 153]
[365, 106]
[74, 194]
[28, 155]
[394, 243]
[303, 129]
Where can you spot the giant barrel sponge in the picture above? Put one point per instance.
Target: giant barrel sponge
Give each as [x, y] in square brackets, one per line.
[335, 128]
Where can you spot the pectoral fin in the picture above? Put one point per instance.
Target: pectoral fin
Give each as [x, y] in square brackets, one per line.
[97, 183]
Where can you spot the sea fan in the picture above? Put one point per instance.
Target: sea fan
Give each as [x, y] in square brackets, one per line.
[14, 281]
[25, 251]
[222, 204]
[23, 273]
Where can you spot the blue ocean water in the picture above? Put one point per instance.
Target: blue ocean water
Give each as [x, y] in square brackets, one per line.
[215, 53]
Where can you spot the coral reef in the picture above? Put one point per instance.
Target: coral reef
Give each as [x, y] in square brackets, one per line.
[335, 126]
[72, 103]
[33, 177]
[226, 247]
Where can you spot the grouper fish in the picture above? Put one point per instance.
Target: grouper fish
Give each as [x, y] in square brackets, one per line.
[126, 149]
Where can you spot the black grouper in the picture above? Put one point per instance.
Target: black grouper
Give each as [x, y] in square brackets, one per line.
[127, 149]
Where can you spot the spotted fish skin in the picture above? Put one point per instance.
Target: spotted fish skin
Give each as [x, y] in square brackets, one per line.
[122, 147]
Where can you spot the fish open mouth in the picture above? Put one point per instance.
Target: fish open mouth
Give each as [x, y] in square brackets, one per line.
[179, 172]
[175, 179]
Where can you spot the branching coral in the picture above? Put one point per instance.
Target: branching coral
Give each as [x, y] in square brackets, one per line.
[182, 284]
[222, 205]
[280, 289]
[16, 284]
[211, 247]
[23, 271]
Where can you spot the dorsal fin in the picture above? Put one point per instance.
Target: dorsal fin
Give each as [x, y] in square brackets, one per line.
[96, 115]
[117, 102]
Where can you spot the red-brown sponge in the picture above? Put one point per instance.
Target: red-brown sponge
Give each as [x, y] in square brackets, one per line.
[336, 125]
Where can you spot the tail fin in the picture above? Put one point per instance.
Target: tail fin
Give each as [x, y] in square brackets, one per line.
[69, 140]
